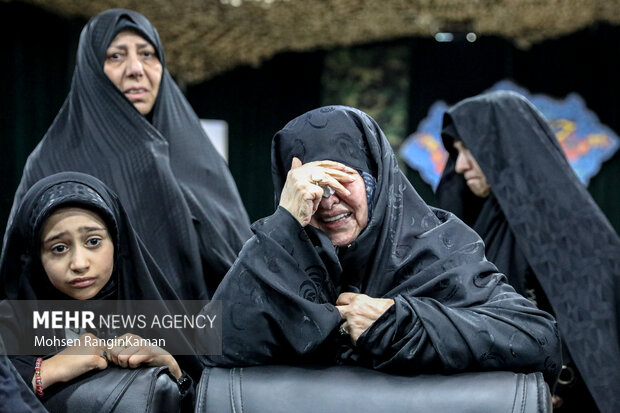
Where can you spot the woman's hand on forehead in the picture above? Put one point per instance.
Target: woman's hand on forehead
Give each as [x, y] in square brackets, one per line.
[303, 189]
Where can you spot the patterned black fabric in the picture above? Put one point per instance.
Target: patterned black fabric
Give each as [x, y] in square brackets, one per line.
[15, 394]
[176, 188]
[452, 312]
[547, 221]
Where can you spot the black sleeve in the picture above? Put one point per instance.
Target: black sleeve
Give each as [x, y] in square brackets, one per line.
[487, 326]
[15, 384]
[274, 307]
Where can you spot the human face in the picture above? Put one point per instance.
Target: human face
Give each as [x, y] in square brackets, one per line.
[343, 218]
[467, 165]
[133, 66]
[76, 252]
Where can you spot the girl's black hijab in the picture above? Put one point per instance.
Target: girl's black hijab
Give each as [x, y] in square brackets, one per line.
[176, 188]
[563, 235]
[135, 275]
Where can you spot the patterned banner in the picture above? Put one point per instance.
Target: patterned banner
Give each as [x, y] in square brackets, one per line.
[587, 143]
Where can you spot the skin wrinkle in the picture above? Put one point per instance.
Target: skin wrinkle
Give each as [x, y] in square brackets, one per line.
[132, 65]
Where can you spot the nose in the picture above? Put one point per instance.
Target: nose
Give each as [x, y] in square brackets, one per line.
[79, 261]
[134, 66]
[328, 203]
[462, 163]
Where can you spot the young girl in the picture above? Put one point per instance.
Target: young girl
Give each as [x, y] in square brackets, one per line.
[71, 239]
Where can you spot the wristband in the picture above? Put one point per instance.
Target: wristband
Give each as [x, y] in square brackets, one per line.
[37, 377]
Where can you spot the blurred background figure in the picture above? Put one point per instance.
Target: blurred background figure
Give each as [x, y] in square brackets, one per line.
[508, 178]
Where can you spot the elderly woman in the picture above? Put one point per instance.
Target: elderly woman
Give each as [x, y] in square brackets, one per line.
[126, 122]
[508, 178]
[354, 268]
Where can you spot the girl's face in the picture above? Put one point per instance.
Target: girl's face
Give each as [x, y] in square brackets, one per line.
[76, 252]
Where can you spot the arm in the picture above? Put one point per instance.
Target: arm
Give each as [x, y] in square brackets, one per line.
[275, 299]
[464, 318]
[68, 364]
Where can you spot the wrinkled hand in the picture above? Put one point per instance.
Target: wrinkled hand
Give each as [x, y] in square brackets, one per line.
[359, 312]
[72, 362]
[133, 356]
[301, 197]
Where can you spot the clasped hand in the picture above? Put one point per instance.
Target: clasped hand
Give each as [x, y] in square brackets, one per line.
[81, 358]
[360, 311]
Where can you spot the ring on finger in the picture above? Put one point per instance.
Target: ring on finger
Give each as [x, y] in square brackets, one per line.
[316, 178]
[343, 331]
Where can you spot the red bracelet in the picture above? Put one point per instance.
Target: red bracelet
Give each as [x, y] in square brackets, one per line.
[37, 377]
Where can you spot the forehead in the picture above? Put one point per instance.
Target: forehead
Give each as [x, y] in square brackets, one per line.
[67, 217]
[129, 37]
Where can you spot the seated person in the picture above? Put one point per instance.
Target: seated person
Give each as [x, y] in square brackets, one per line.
[354, 268]
[71, 239]
[508, 178]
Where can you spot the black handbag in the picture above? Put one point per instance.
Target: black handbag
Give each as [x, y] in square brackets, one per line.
[340, 389]
[118, 390]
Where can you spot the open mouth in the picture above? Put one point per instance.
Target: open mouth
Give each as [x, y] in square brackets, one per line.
[135, 92]
[337, 218]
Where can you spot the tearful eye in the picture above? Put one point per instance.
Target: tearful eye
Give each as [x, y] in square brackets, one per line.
[93, 242]
[59, 249]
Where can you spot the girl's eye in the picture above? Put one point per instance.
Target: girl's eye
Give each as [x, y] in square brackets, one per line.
[59, 249]
[93, 242]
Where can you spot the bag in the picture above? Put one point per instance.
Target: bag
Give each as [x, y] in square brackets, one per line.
[118, 390]
[340, 389]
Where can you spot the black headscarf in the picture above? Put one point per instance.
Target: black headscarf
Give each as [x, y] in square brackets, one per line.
[548, 214]
[176, 188]
[135, 277]
[452, 311]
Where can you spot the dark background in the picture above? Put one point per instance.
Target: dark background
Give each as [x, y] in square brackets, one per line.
[39, 56]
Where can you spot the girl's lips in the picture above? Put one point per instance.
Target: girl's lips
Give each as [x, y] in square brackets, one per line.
[82, 282]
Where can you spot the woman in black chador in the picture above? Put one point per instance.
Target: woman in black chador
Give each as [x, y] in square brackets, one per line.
[126, 122]
[508, 178]
[354, 268]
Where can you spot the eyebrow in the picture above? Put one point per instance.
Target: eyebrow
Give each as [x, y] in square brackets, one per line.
[124, 46]
[83, 230]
